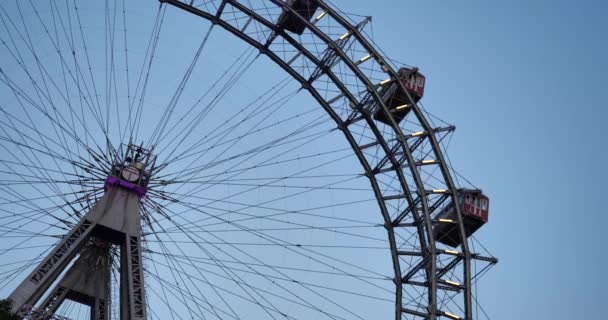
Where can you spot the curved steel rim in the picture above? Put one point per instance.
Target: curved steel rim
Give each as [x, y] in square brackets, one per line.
[418, 205]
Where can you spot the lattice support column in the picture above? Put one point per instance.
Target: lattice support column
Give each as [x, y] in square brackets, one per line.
[54, 300]
[113, 219]
[133, 298]
[41, 278]
[100, 310]
[86, 282]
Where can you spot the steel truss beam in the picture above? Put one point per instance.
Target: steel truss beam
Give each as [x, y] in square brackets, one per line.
[113, 219]
[86, 282]
[396, 155]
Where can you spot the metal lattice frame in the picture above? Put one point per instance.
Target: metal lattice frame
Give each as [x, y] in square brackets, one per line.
[410, 208]
[87, 281]
[117, 215]
[403, 161]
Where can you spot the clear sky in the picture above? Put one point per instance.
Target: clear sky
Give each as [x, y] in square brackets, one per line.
[524, 82]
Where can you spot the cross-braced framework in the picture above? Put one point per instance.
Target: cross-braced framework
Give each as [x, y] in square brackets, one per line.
[120, 204]
[86, 282]
[114, 218]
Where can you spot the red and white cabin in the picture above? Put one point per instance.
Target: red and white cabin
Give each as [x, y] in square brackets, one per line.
[474, 207]
[413, 81]
[396, 99]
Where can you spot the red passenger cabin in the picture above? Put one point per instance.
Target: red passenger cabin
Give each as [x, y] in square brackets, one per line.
[289, 21]
[395, 98]
[474, 206]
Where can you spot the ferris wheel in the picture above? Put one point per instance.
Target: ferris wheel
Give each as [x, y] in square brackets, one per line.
[224, 159]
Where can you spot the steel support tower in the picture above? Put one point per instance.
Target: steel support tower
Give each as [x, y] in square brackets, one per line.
[113, 220]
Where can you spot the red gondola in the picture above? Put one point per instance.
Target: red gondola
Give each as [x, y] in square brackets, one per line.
[289, 21]
[474, 206]
[395, 98]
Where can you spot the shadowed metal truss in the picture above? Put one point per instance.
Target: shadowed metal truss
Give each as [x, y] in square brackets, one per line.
[344, 72]
[86, 282]
[115, 219]
[428, 264]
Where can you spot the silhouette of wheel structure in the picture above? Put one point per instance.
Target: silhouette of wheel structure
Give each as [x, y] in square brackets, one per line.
[224, 159]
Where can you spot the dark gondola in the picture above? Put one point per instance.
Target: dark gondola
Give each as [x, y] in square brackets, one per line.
[474, 206]
[290, 21]
[395, 98]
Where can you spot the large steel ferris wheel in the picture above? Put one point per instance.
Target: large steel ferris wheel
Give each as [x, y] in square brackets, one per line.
[133, 190]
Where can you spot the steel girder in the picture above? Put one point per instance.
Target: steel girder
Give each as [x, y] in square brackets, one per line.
[115, 218]
[421, 211]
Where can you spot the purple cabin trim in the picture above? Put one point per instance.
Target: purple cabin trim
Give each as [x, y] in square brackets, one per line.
[114, 181]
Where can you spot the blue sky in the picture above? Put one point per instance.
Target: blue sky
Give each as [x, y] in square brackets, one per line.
[524, 82]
